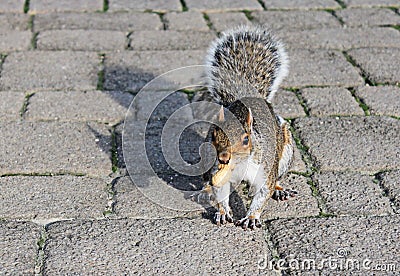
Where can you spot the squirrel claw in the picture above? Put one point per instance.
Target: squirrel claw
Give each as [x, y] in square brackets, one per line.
[283, 195]
[248, 223]
[222, 218]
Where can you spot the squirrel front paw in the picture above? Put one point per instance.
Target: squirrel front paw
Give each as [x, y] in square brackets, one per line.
[223, 215]
[283, 195]
[249, 222]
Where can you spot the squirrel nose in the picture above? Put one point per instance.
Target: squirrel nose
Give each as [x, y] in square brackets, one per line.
[224, 157]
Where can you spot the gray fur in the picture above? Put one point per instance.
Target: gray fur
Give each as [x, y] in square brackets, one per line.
[246, 62]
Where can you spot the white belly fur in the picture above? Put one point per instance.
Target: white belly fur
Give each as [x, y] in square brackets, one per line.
[251, 172]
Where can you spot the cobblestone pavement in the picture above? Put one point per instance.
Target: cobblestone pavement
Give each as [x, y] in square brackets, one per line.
[68, 72]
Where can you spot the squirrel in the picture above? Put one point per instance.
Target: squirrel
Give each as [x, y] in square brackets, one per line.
[245, 68]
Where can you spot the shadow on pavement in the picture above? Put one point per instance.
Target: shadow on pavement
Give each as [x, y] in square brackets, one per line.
[130, 81]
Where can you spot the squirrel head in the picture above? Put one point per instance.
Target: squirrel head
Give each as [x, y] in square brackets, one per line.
[230, 142]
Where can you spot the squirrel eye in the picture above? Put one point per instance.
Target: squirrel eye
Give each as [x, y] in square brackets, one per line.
[245, 140]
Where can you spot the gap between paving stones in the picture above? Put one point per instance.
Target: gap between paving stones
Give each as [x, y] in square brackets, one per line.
[334, 14]
[26, 6]
[25, 104]
[341, 4]
[109, 211]
[48, 174]
[209, 23]
[31, 22]
[105, 5]
[40, 257]
[308, 159]
[3, 57]
[301, 100]
[162, 19]
[363, 73]
[184, 6]
[114, 148]
[100, 74]
[378, 179]
[360, 101]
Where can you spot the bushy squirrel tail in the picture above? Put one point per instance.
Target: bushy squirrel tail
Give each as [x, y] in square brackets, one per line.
[246, 62]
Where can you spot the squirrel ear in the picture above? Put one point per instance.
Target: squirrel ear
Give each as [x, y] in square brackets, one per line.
[249, 120]
[221, 115]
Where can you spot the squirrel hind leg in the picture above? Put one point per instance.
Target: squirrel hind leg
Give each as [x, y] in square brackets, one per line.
[281, 194]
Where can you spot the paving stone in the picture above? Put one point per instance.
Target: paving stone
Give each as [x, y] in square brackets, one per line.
[160, 110]
[381, 100]
[368, 17]
[177, 246]
[383, 68]
[122, 21]
[52, 197]
[390, 182]
[138, 5]
[224, 21]
[186, 21]
[12, 6]
[341, 245]
[44, 6]
[170, 40]
[287, 105]
[167, 189]
[352, 194]
[14, 22]
[18, 247]
[49, 70]
[296, 20]
[300, 4]
[342, 39]
[371, 3]
[10, 105]
[366, 144]
[298, 163]
[130, 71]
[303, 205]
[81, 40]
[51, 147]
[330, 101]
[132, 203]
[15, 41]
[107, 107]
[332, 68]
[223, 5]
